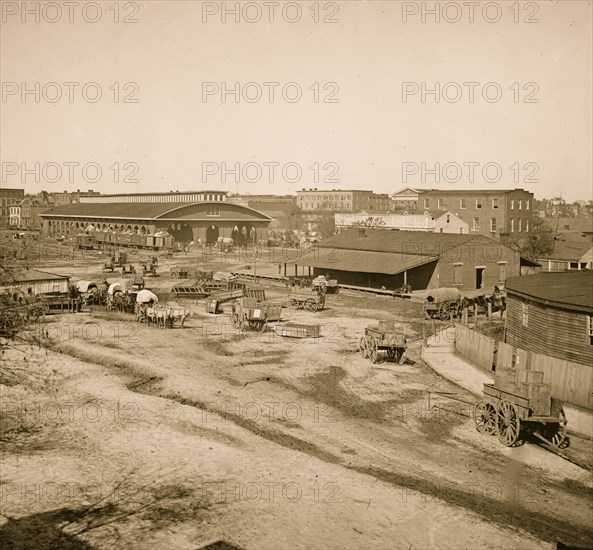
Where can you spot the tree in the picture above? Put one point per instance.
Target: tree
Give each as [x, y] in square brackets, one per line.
[534, 244]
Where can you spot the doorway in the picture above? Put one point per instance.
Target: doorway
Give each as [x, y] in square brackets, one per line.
[479, 277]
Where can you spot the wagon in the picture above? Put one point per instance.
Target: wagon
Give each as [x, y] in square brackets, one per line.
[300, 299]
[108, 266]
[247, 312]
[510, 416]
[325, 286]
[383, 338]
[128, 270]
[442, 303]
[149, 268]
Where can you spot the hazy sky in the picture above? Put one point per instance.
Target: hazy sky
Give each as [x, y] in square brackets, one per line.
[366, 56]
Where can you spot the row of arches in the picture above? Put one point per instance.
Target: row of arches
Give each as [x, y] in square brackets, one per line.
[69, 228]
[241, 234]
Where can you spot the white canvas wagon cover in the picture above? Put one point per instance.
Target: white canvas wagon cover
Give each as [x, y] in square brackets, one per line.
[443, 295]
[145, 296]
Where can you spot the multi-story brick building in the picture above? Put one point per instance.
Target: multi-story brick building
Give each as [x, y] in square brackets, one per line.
[60, 199]
[340, 200]
[9, 198]
[20, 215]
[488, 212]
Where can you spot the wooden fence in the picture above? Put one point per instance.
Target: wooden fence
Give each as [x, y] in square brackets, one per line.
[571, 382]
[475, 346]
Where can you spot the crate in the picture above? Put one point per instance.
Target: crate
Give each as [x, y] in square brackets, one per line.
[297, 330]
[212, 306]
[386, 326]
[532, 377]
[540, 400]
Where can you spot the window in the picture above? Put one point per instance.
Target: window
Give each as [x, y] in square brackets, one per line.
[519, 224]
[512, 225]
[213, 211]
[476, 224]
[512, 204]
[440, 204]
[494, 204]
[502, 272]
[478, 203]
[426, 203]
[457, 274]
[493, 225]
[448, 218]
[590, 329]
[519, 203]
[526, 225]
[462, 204]
[461, 230]
[526, 205]
[525, 314]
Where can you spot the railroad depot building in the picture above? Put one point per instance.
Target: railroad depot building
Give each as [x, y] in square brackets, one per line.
[552, 314]
[188, 216]
[376, 258]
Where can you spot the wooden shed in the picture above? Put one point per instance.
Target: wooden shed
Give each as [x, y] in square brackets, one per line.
[32, 282]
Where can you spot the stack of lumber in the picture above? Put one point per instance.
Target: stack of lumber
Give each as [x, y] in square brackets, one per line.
[297, 330]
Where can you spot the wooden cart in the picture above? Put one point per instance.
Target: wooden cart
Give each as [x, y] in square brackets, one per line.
[383, 338]
[510, 416]
[325, 286]
[303, 299]
[128, 269]
[442, 303]
[247, 312]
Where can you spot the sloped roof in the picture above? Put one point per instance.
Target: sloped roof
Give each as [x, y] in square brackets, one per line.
[144, 210]
[22, 275]
[569, 250]
[584, 225]
[402, 242]
[362, 261]
[572, 289]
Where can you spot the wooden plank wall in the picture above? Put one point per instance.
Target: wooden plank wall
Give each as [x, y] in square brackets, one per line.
[474, 346]
[571, 382]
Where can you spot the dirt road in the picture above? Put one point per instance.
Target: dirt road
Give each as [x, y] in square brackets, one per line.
[180, 438]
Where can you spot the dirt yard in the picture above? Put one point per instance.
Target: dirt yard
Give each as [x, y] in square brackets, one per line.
[120, 435]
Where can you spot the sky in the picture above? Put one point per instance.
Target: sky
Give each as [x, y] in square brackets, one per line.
[352, 107]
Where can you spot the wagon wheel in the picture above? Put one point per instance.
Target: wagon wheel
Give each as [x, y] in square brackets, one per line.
[362, 347]
[310, 305]
[254, 324]
[555, 433]
[373, 350]
[485, 418]
[402, 357]
[444, 313]
[263, 325]
[337, 290]
[293, 304]
[508, 424]
[322, 288]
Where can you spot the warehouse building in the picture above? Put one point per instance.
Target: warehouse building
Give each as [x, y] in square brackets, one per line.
[375, 258]
[32, 282]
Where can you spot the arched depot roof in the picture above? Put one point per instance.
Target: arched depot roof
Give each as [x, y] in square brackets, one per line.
[163, 211]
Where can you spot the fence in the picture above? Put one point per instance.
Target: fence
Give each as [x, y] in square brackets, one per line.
[571, 382]
[476, 347]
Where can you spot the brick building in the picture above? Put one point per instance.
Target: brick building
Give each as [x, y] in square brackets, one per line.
[20, 215]
[9, 198]
[488, 212]
[376, 258]
[339, 200]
